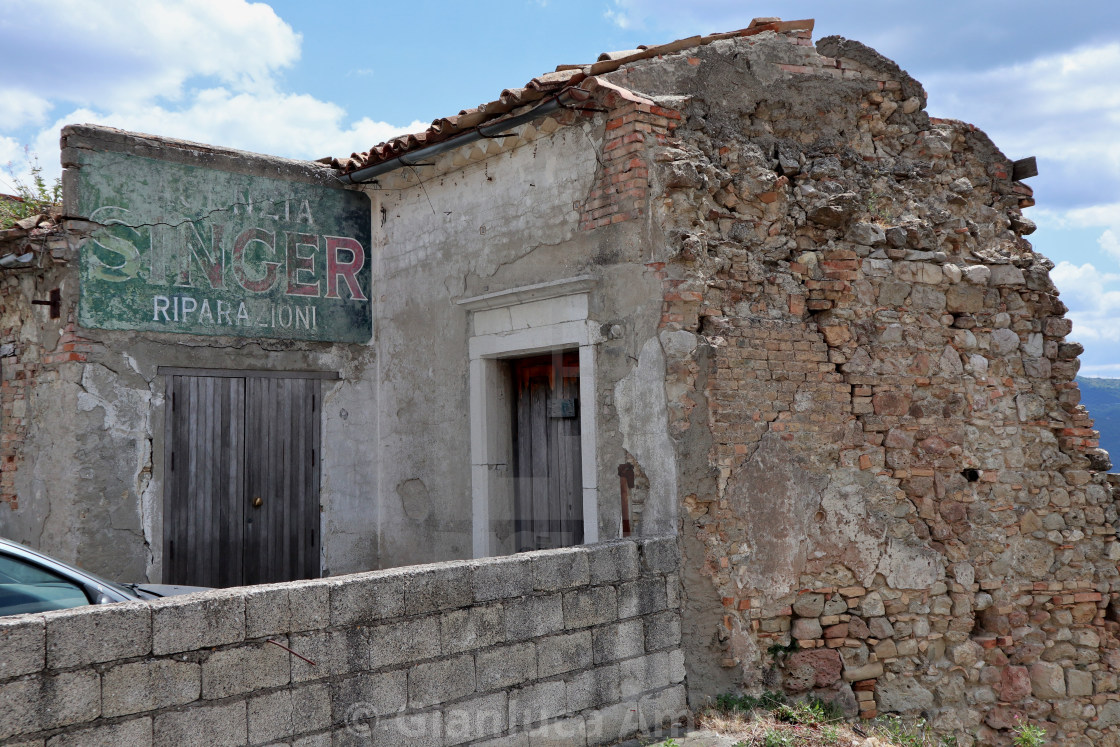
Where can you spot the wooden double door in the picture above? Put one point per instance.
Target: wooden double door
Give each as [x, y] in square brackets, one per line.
[547, 456]
[241, 477]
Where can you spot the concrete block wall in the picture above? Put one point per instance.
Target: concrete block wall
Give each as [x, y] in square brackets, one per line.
[573, 646]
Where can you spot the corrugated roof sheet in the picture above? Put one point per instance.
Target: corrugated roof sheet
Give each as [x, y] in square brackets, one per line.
[543, 87]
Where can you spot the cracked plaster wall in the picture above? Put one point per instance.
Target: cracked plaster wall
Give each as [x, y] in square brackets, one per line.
[509, 219]
[84, 409]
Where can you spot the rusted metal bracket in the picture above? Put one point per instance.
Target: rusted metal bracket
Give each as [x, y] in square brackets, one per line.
[1024, 168]
[55, 303]
[293, 653]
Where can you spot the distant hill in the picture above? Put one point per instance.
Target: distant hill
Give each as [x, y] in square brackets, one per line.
[1102, 397]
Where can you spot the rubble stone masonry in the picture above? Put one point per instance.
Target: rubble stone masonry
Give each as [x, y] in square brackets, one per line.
[34, 347]
[903, 508]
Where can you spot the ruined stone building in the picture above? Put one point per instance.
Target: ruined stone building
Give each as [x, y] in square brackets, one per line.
[740, 289]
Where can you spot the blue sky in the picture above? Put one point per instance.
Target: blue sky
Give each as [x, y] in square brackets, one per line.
[306, 80]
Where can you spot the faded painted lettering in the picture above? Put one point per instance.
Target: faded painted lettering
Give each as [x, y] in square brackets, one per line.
[193, 250]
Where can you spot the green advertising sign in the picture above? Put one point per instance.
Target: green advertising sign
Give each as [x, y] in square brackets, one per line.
[194, 250]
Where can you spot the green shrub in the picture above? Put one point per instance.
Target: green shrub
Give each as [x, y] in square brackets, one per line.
[1028, 735]
[32, 199]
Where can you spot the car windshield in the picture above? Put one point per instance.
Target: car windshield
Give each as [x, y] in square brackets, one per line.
[28, 588]
[16, 570]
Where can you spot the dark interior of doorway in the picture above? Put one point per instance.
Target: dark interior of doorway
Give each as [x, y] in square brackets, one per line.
[547, 458]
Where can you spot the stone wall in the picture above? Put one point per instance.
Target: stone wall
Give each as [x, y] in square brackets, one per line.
[28, 355]
[901, 507]
[565, 647]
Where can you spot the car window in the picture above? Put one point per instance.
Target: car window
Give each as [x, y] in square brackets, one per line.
[25, 587]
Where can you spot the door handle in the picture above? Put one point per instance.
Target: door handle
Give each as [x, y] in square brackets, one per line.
[257, 502]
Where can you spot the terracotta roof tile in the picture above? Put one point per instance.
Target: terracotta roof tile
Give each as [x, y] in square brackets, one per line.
[543, 87]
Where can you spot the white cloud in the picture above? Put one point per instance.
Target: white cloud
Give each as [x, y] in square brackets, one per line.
[1104, 371]
[19, 107]
[204, 70]
[283, 124]
[1060, 105]
[1093, 298]
[1110, 243]
[619, 18]
[136, 50]
[1063, 108]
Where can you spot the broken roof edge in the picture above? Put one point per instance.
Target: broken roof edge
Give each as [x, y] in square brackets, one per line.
[543, 87]
[77, 137]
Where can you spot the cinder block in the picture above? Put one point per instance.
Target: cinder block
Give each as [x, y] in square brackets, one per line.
[367, 597]
[134, 733]
[475, 719]
[613, 723]
[443, 587]
[497, 668]
[401, 642]
[520, 739]
[284, 713]
[536, 703]
[664, 707]
[201, 726]
[623, 640]
[97, 633]
[563, 653]
[642, 597]
[501, 578]
[568, 732]
[417, 729]
[673, 591]
[47, 702]
[244, 669]
[266, 611]
[531, 617]
[644, 674]
[309, 604]
[471, 628]
[663, 630]
[590, 606]
[315, 740]
[23, 643]
[197, 621]
[593, 688]
[560, 569]
[149, 685]
[660, 555]
[611, 562]
[364, 696]
[440, 681]
[676, 666]
[334, 653]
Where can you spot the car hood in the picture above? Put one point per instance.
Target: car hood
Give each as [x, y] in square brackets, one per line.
[155, 591]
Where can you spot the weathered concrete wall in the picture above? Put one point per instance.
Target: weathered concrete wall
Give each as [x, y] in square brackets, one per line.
[567, 647]
[557, 201]
[83, 471]
[498, 216]
[891, 497]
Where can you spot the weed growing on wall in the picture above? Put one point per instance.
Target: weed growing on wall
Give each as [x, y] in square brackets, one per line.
[1028, 734]
[26, 200]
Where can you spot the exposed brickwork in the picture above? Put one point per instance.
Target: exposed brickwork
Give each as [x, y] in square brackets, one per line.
[621, 188]
[906, 515]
